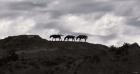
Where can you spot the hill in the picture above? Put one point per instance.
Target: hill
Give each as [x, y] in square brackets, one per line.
[27, 54]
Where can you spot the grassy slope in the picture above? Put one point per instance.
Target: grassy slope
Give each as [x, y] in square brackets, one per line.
[40, 56]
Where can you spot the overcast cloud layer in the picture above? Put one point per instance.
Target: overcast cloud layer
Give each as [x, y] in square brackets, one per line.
[104, 21]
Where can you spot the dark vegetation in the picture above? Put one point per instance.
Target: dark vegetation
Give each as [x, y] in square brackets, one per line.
[30, 54]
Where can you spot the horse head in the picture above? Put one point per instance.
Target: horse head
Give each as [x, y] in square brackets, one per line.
[77, 37]
[65, 38]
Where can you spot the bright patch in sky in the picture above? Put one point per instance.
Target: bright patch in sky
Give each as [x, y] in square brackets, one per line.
[16, 26]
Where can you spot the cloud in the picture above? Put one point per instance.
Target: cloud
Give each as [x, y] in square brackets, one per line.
[16, 26]
[25, 5]
[106, 28]
[105, 21]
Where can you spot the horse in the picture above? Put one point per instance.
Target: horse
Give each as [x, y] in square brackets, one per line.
[80, 37]
[69, 37]
[56, 37]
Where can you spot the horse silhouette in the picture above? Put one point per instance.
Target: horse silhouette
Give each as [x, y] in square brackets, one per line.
[69, 37]
[56, 37]
[80, 37]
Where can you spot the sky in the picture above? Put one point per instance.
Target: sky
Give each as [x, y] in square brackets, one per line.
[108, 22]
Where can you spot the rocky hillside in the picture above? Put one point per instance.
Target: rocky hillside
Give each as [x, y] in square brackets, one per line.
[27, 54]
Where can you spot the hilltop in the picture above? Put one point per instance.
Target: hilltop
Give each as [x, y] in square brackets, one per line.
[26, 54]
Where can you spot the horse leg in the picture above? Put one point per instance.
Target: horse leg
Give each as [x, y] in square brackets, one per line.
[80, 40]
[60, 39]
[74, 40]
[85, 40]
